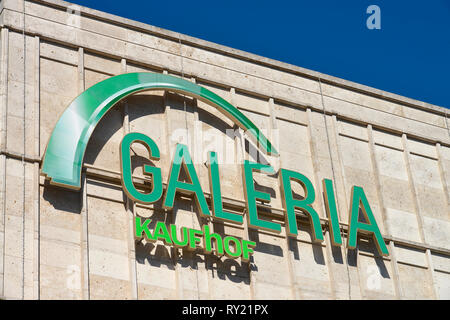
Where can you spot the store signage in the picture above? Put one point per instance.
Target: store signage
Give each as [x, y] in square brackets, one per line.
[65, 151]
[191, 239]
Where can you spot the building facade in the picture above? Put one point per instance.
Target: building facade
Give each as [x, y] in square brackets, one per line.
[60, 243]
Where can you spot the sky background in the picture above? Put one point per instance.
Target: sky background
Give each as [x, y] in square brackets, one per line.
[409, 55]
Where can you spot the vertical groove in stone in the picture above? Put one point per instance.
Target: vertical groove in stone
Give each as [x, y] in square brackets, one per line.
[3, 208]
[167, 122]
[197, 146]
[407, 157]
[346, 196]
[175, 251]
[3, 123]
[395, 270]
[272, 132]
[36, 233]
[130, 206]
[378, 185]
[273, 128]
[190, 144]
[24, 152]
[328, 255]
[81, 79]
[251, 276]
[433, 278]
[84, 200]
[376, 171]
[339, 176]
[331, 139]
[36, 212]
[84, 240]
[412, 185]
[240, 156]
[175, 256]
[342, 206]
[319, 192]
[443, 173]
[4, 84]
[37, 97]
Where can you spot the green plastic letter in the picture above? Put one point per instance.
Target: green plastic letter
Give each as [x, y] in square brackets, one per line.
[173, 232]
[214, 182]
[162, 233]
[251, 195]
[237, 245]
[333, 219]
[182, 157]
[125, 165]
[193, 239]
[142, 228]
[359, 198]
[290, 203]
[247, 249]
[207, 238]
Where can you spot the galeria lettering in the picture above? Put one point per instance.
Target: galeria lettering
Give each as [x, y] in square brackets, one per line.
[182, 158]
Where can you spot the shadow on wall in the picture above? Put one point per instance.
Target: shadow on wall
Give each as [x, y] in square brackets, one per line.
[316, 249]
[103, 132]
[140, 106]
[364, 245]
[157, 255]
[368, 247]
[223, 268]
[264, 247]
[63, 199]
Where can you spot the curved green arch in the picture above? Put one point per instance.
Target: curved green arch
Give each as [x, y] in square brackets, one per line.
[65, 150]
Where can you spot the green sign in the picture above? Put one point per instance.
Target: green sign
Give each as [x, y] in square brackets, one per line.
[65, 151]
[193, 187]
[191, 238]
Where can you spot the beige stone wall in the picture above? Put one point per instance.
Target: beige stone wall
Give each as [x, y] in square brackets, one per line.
[61, 244]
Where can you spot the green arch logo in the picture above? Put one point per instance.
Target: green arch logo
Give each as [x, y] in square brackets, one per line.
[65, 150]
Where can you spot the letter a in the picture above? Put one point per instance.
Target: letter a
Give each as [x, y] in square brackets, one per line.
[359, 198]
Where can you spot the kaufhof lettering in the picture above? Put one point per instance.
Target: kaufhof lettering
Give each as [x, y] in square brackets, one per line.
[191, 237]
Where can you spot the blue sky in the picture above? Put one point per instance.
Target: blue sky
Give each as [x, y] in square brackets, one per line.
[409, 55]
